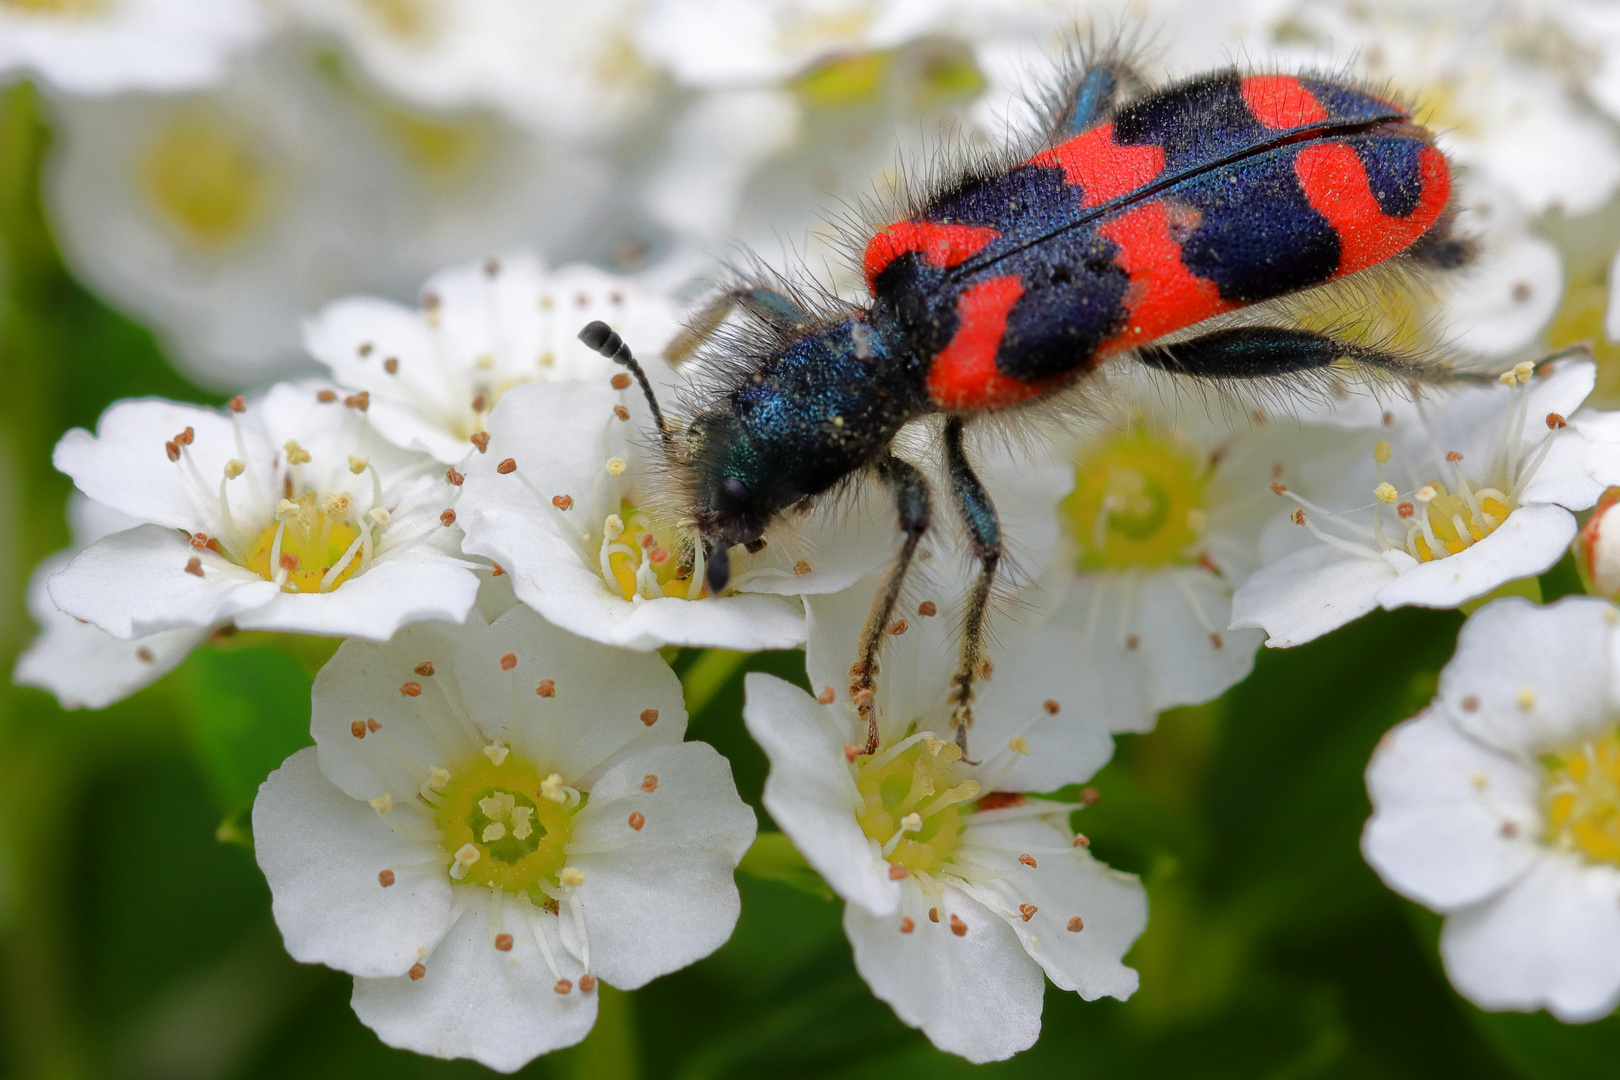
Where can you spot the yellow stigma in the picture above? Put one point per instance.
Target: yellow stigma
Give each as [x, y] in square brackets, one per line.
[644, 541]
[1138, 501]
[1582, 797]
[206, 178]
[911, 803]
[518, 839]
[312, 542]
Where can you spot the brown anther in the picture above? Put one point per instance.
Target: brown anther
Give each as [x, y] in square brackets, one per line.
[1216, 640]
[326, 397]
[1089, 795]
[359, 402]
[1050, 706]
[933, 914]
[986, 669]
[826, 696]
[649, 783]
[621, 412]
[478, 403]
[927, 608]
[1076, 925]
[547, 688]
[1207, 563]
[391, 365]
[1081, 840]
[509, 661]
[289, 561]
[898, 627]
[1406, 510]
[411, 689]
[1000, 800]
[448, 518]
[199, 541]
[857, 669]
[563, 986]
[1470, 703]
[958, 927]
[1027, 860]
[358, 729]
[186, 437]
[1278, 489]
[372, 725]
[507, 467]
[801, 568]
[1133, 642]
[637, 820]
[492, 267]
[173, 450]
[425, 668]
[562, 502]
[503, 942]
[417, 971]
[851, 752]
[496, 570]
[906, 925]
[236, 404]
[1027, 911]
[1452, 455]
[194, 566]
[453, 477]
[587, 983]
[365, 348]
[1555, 421]
[480, 439]
[385, 878]
[1509, 830]
[1298, 516]
[863, 697]
[144, 655]
[649, 717]
[621, 381]
[898, 872]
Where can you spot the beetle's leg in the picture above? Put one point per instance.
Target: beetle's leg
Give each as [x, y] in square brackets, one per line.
[1442, 249]
[984, 531]
[1097, 77]
[1258, 352]
[911, 501]
[768, 305]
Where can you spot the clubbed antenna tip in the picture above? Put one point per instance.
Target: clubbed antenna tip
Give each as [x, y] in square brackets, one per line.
[602, 338]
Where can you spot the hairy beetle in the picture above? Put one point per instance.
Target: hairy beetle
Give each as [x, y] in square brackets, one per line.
[1136, 222]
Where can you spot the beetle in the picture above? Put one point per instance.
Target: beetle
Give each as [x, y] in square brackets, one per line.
[1142, 220]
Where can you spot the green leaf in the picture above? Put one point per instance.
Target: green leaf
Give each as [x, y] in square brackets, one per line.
[774, 858]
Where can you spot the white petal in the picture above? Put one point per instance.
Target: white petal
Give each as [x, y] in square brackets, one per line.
[374, 603]
[659, 897]
[1528, 542]
[1551, 941]
[475, 1001]
[1304, 595]
[810, 792]
[321, 852]
[1112, 906]
[135, 583]
[711, 153]
[1453, 822]
[1502, 302]
[977, 995]
[1528, 678]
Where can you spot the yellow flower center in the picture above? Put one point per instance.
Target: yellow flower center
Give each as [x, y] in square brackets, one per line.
[911, 802]
[505, 826]
[1138, 501]
[208, 179]
[1456, 520]
[1582, 795]
[306, 544]
[649, 556]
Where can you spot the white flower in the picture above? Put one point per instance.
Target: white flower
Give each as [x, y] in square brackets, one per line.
[1499, 806]
[83, 665]
[434, 372]
[1457, 495]
[492, 819]
[111, 46]
[284, 513]
[1597, 548]
[959, 890]
[551, 64]
[570, 500]
[224, 218]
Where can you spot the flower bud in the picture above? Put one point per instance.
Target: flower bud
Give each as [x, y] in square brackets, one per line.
[1597, 548]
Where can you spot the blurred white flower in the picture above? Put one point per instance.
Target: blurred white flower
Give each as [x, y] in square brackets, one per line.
[83, 665]
[569, 500]
[1499, 806]
[1466, 492]
[959, 890]
[550, 64]
[434, 372]
[114, 46]
[284, 513]
[224, 218]
[493, 818]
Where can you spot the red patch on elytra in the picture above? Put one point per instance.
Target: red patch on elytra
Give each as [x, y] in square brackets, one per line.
[1163, 295]
[1336, 185]
[939, 245]
[964, 374]
[1100, 167]
[1280, 102]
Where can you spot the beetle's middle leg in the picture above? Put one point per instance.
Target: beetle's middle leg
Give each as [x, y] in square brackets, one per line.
[984, 531]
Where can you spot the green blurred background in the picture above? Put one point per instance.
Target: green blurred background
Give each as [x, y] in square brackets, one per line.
[135, 929]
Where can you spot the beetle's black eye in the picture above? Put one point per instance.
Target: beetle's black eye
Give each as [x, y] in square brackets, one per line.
[732, 496]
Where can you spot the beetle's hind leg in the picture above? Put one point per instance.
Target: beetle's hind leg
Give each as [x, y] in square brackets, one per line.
[984, 531]
[1259, 352]
[911, 500]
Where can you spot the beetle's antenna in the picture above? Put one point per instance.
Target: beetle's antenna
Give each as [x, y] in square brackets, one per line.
[602, 338]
